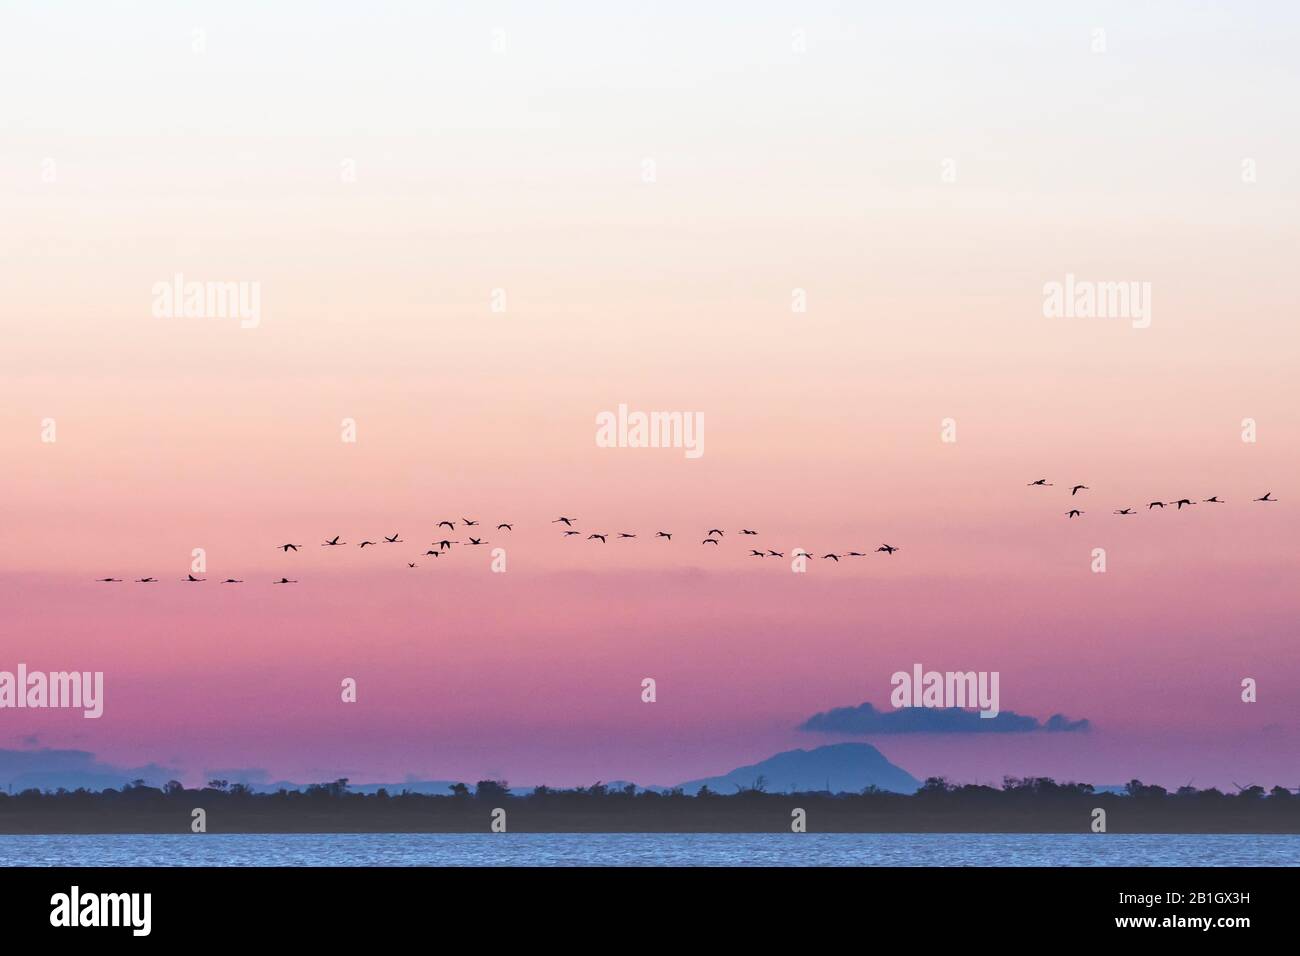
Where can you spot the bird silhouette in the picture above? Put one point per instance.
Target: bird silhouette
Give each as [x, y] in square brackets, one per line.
[1124, 511]
[1213, 500]
[855, 554]
[105, 580]
[468, 523]
[1042, 482]
[747, 531]
[284, 581]
[445, 545]
[286, 548]
[664, 534]
[624, 534]
[191, 579]
[833, 557]
[476, 541]
[887, 548]
[364, 543]
[1078, 488]
[602, 537]
[409, 564]
[434, 553]
[776, 554]
[713, 531]
[1073, 513]
[709, 541]
[1155, 504]
[232, 581]
[567, 521]
[449, 524]
[1182, 501]
[333, 542]
[567, 533]
[1267, 497]
[146, 580]
[395, 539]
[758, 554]
[508, 527]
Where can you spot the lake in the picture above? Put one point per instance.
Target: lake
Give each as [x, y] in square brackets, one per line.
[651, 849]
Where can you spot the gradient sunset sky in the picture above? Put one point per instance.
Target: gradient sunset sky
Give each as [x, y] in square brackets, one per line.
[795, 146]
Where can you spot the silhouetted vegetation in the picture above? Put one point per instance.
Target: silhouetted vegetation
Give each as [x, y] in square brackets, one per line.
[1026, 805]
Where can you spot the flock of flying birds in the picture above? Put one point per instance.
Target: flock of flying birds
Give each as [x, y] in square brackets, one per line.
[713, 537]
[1179, 503]
[439, 548]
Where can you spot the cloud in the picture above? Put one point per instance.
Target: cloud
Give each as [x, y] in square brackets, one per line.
[48, 769]
[865, 719]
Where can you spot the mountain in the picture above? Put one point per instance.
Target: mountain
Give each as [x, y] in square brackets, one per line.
[848, 767]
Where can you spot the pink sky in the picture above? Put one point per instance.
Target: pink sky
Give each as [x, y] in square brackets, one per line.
[523, 171]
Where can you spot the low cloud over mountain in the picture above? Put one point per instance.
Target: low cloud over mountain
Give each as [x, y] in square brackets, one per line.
[865, 719]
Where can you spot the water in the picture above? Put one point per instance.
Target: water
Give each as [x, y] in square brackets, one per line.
[651, 849]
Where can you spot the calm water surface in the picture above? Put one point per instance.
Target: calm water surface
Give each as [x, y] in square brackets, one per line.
[651, 849]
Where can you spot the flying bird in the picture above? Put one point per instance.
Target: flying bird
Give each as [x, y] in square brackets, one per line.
[284, 581]
[1183, 501]
[449, 524]
[1078, 488]
[286, 548]
[468, 523]
[567, 521]
[395, 539]
[333, 542]
[232, 581]
[508, 527]
[445, 545]
[1073, 513]
[714, 531]
[1267, 497]
[364, 543]
[104, 580]
[189, 578]
[856, 554]
[887, 548]
[1041, 482]
[776, 554]
[1125, 511]
[709, 541]
[565, 534]
[409, 564]
[477, 541]
[833, 557]
[434, 553]
[602, 537]
[663, 534]
[146, 580]
[758, 554]
[747, 531]
[1155, 504]
[624, 534]
[1212, 500]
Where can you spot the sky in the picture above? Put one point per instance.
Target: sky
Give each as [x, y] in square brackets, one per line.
[649, 192]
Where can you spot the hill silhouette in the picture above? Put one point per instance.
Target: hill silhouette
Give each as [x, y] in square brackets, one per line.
[836, 768]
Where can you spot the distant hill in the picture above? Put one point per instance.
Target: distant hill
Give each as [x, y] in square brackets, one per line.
[839, 768]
